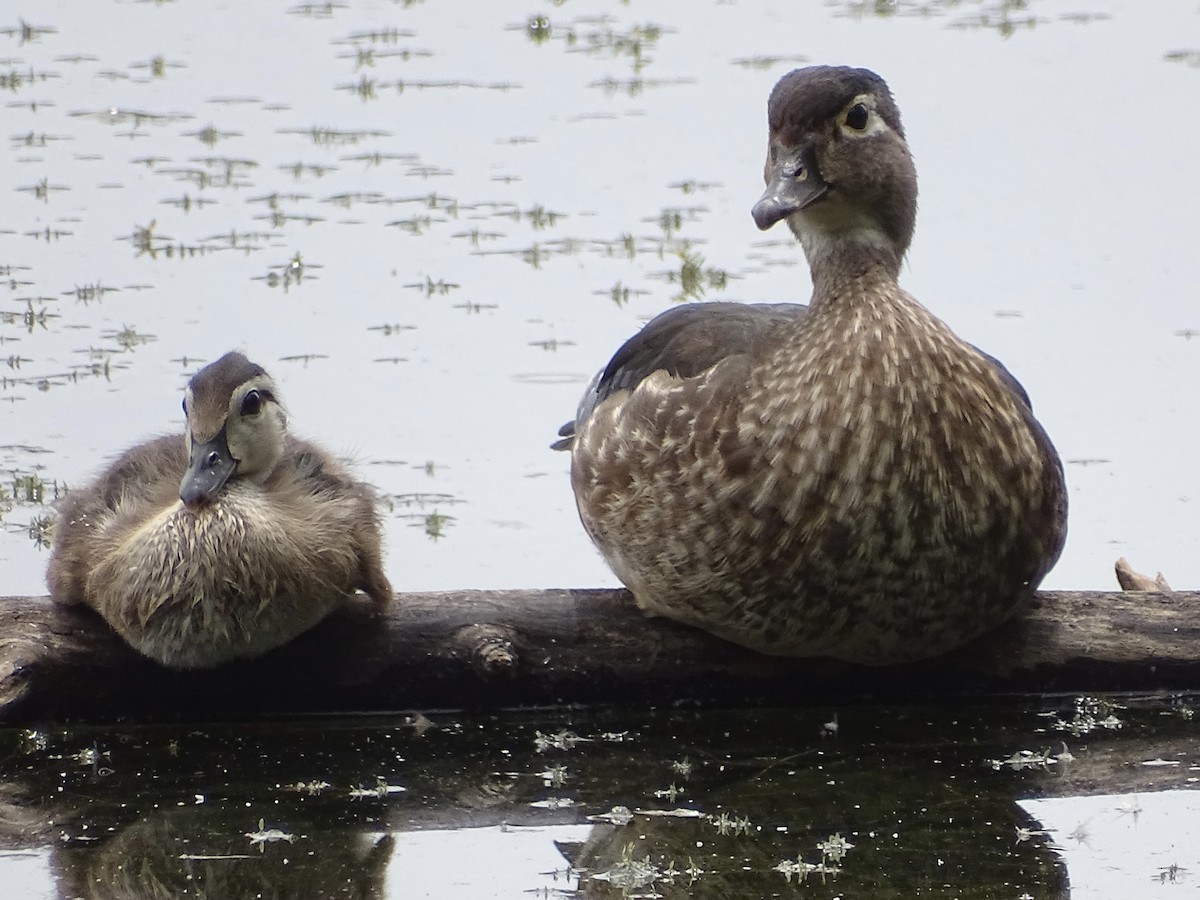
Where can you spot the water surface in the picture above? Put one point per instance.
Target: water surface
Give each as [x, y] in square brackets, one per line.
[864, 802]
[433, 222]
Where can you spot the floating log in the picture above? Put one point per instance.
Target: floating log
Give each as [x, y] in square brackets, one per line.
[480, 649]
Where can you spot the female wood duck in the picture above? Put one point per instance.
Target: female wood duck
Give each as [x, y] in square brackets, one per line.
[846, 479]
[224, 542]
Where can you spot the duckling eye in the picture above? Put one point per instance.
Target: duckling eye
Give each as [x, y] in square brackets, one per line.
[185, 407]
[857, 117]
[251, 403]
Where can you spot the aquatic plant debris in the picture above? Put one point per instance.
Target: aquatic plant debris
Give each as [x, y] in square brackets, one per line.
[1089, 714]
[265, 836]
[618, 815]
[381, 789]
[833, 850]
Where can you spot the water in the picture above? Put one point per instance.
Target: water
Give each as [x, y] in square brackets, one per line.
[433, 221]
[862, 802]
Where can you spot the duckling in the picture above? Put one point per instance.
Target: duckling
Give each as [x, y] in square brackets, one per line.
[224, 542]
[848, 478]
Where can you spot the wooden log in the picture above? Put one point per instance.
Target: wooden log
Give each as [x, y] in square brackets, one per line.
[502, 648]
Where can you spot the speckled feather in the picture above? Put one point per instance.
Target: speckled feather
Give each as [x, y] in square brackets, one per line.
[854, 482]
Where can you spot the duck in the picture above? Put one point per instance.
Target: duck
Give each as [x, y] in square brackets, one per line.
[845, 478]
[224, 542]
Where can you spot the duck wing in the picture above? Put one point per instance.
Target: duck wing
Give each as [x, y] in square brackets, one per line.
[684, 341]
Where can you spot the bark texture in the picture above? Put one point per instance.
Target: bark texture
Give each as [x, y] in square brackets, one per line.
[504, 648]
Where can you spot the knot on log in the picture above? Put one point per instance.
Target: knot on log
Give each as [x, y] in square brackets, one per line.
[489, 649]
[14, 681]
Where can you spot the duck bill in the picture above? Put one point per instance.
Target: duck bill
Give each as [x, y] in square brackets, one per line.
[793, 182]
[210, 466]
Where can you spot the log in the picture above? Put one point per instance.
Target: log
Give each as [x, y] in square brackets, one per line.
[480, 649]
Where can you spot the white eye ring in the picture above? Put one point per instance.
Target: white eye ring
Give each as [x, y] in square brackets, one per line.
[857, 117]
[860, 119]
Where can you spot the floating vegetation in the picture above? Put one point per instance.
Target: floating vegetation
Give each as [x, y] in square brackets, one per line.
[35, 139]
[157, 66]
[433, 521]
[324, 9]
[390, 329]
[264, 836]
[300, 169]
[554, 803]
[630, 873]
[303, 358]
[764, 62]
[618, 815]
[435, 524]
[1028, 759]
[693, 277]
[473, 309]
[114, 115]
[1089, 714]
[551, 344]
[378, 791]
[430, 288]
[538, 217]
[620, 293]
[42, 189]
[539, 29]
[327, 137]
[26, 33]
[290, 274]
[1187, 57]
[244, 241]
[128, 338]
[635, 87]
[148, 242]
[187, 202]
[311, 788]
[559, 740]
[89, 292]
[418, 499]
[385, 36]
[210, 135]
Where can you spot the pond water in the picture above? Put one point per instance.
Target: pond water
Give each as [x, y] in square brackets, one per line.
[433, 221]
[730, 804]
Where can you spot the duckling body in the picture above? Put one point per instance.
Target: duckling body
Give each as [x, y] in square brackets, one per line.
[847, 478]
[222, 543]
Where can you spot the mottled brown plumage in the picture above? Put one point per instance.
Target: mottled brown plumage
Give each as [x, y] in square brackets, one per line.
[222, 543]
[847, 478]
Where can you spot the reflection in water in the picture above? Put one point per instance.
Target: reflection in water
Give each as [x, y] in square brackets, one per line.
[725, 804]
[184, 852]
[1118, 846]
[415, 207]
[730, 804]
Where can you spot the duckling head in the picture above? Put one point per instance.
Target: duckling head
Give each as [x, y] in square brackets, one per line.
[838, 168]
[236, 428]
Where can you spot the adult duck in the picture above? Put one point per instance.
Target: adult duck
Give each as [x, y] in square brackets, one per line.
[847, 478]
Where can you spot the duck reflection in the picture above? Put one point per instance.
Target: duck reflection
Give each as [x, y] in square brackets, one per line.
[196, 852]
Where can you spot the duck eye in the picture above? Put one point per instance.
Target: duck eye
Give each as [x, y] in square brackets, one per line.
[857, 117]
[185, 407]
[251, 403]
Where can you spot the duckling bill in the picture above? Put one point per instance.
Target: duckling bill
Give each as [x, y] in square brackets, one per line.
[224, 542]
[846, 478]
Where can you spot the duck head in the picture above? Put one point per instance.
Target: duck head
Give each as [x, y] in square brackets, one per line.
[838, 168]
[236, 427]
